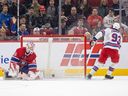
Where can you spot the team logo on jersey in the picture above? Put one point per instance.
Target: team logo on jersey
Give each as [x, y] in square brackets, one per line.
[74, 55]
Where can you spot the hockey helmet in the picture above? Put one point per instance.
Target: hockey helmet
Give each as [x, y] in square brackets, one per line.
[116, 26]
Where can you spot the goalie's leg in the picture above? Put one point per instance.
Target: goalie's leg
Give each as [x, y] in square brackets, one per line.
[29, 72]
[12, 71]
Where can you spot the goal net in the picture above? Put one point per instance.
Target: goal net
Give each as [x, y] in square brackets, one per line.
[59, 56]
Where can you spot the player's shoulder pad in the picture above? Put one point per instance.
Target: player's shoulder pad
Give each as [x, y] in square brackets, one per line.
[106, 30]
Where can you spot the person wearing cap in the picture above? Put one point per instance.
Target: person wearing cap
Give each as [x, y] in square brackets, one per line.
[36, 31]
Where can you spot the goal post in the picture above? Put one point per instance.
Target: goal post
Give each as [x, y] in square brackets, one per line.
[59, 56]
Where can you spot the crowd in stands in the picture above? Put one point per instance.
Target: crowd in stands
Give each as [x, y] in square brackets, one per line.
[41, 17]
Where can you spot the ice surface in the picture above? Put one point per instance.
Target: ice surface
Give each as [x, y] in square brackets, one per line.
[66, 87]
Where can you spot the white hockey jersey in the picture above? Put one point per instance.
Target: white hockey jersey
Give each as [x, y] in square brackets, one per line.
[112, 38]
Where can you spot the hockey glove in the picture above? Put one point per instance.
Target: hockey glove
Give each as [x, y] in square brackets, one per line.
[92, 43]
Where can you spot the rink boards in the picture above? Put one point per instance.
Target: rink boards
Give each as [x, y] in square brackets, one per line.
[64, 62]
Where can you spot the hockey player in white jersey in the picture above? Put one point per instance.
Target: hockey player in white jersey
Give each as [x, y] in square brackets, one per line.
[112, 44]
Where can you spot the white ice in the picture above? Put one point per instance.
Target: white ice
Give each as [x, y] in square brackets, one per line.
[66, 87]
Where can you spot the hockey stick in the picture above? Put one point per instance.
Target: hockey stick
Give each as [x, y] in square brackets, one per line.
[89, 55]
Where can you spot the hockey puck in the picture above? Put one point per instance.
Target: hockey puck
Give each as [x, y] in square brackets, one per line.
[53, 75]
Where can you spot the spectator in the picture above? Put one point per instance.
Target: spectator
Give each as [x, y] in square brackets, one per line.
[67, 7]
[31, 18]
[28, 3]
[116, 8]
[7, 22]
[22, 9]
[62, 2]
[5, 2]
[84, 8]
[62, 12]
[13, 9]
[23, 30]
[80, 28]
[103, 9]
[52, 12]
[46, 2]
[47, 29]
[43, 2]
[76, 2]
[9, 2]
[36, 6]
[36, 31]
[22, 1]
[109, 19]
[43, 18]
[22, 20]
[73, 17]
[2, 2]
[63, 26]
[94, 20]
[125, 5]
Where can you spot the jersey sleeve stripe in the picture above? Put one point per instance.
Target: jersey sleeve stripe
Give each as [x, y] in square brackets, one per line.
[15, 59]
[94, 38]
[32, 66]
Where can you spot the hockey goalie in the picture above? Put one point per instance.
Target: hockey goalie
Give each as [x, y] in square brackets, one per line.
[23, 64]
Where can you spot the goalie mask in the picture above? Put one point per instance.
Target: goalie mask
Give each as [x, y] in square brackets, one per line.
[30, 47]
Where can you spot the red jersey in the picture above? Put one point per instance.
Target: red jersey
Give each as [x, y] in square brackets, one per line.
[79, 31]
[23, 59]
[20, 54]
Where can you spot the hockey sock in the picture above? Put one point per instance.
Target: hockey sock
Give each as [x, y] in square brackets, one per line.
[95, 68]
[111, 69]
